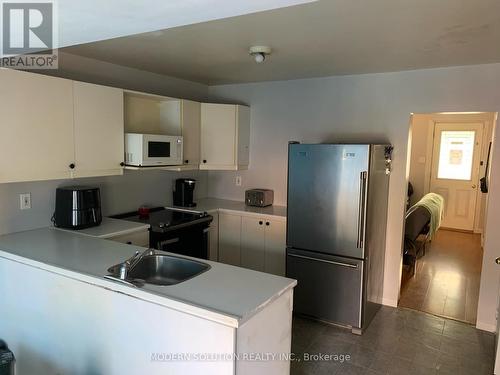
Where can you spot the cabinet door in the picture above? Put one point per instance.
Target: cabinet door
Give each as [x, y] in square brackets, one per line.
[275, 247]
[253, 244]
[218, 136]
[36, 128]
[191, 128]
[229, 239]
[99, 134]
[213, 251]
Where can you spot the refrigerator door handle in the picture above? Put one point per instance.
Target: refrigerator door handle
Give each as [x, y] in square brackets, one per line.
[361, 209]
[355, 266]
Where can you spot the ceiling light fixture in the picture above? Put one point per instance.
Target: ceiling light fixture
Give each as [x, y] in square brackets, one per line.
[259, 53]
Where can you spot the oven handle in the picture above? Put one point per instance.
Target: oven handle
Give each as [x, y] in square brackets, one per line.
[168, 242]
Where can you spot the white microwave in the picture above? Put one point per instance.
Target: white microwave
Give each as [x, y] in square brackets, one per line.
[149, 150]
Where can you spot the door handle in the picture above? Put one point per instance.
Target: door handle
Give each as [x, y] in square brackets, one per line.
[497, 261]
[348, 265]
[473, 186]
[361, 209]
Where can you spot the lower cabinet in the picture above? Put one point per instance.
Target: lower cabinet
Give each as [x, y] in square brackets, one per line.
[213, 237]
[253, 242]
[230, 239]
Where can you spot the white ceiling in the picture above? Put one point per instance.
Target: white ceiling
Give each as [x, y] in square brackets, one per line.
[328, 37]
[92, 20]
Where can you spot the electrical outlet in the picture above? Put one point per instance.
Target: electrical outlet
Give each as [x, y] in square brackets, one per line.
[238, 181]
[25, 201]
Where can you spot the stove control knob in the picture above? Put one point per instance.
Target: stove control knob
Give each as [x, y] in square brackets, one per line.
[161, 225]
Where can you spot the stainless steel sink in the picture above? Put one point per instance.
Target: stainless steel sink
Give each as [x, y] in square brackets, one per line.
[158, 269]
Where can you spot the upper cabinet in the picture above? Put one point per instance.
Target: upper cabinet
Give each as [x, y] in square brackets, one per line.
[36, 128]
[98, 124]
[225, 136]
[54, 128]
[155, 114]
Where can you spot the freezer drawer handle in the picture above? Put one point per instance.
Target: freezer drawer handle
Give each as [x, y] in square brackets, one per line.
[355, 266]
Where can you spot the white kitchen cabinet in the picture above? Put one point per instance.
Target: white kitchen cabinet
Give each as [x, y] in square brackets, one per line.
[230, 239]
[275, 239]
[225, 136]
[36, 128]
[213, 237]
[252, 241]
[99, 134]
[191, 132]
[263, 244]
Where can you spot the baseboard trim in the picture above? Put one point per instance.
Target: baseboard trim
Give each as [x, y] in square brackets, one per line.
[486, 327]
[389, 302]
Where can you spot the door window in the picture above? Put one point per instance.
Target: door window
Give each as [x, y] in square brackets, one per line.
[456, 154]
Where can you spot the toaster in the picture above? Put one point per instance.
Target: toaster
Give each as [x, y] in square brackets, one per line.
[259, 197]
[77, 207]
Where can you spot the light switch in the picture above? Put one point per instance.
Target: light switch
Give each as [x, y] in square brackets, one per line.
[25, 201]
[238, 180]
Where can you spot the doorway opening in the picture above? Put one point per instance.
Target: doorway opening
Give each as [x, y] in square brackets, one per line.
[446, 207]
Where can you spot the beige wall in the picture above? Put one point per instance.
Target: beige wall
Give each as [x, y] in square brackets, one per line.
[422, 128]
[364, 108]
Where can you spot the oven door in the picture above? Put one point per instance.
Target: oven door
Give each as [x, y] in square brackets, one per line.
[190, 241]
[161, 150]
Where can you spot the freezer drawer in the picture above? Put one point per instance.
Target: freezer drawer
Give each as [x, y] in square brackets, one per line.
[329, 287]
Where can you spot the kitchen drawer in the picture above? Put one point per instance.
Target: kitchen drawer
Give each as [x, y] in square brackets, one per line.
[137, 238]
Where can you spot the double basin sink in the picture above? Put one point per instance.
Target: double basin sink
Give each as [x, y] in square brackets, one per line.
[157, 268]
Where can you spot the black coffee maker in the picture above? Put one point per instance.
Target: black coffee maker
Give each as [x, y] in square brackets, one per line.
[184, 191]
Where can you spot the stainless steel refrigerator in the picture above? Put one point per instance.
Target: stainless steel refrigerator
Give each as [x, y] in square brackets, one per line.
[336, 226]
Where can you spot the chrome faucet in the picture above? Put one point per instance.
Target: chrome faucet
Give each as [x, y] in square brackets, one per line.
[129, 264]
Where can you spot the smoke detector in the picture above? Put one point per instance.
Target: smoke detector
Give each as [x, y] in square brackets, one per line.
[259, 53]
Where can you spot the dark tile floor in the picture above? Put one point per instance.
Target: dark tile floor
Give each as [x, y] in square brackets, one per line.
[398, 341]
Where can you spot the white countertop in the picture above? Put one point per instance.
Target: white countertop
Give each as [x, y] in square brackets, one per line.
[110, 228]
[212, 204]
[226, 294]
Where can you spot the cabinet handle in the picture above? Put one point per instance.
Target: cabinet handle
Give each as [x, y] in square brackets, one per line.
[186, 161]
[204, 161]
[122, 164]
[267, 223]
[72, 166]
[260, 222]
[129, 242]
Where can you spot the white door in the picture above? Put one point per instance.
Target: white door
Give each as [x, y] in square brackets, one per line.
[99, 134]
[253, 245]
[36, 127]
[455, 171]
[275, 247]
[229, 239]
[218, 134]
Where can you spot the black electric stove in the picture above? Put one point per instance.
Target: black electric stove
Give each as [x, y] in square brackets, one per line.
[175, 230]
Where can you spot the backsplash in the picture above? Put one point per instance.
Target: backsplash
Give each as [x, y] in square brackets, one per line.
[118, 194]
